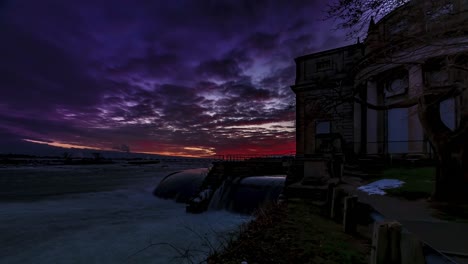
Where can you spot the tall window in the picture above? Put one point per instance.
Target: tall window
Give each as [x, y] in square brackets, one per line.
[324, 65]
[398, 130]
[323, 127]
[447, 113]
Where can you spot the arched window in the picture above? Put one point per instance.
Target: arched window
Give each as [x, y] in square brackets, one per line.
[447, 113]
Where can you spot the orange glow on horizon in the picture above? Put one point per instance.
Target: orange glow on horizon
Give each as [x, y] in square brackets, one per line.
[169, 153]
[191, 151]
[61, 145]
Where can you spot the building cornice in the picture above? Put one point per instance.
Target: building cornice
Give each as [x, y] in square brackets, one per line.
[330, 51]
[372, 65]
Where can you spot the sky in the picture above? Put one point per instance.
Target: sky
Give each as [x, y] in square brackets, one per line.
[172, 77]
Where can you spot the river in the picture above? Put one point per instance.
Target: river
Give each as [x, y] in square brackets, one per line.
[104, 214]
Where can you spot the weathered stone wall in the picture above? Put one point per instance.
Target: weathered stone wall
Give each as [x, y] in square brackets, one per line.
[322, 80]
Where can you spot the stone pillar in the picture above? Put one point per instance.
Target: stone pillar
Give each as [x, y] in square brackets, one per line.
[372, 119]
[309, 137]
[309, 134]
[300, 121]
[415, 130]
[357, 128]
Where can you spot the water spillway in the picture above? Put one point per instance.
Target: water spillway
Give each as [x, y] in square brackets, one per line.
[239, 194]
[244, 195]
[182, 185]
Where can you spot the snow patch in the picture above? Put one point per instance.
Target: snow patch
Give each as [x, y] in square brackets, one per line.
[378, 187]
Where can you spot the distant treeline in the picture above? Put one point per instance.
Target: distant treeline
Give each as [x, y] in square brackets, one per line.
[28, 160]
[13, 156]
[19, 159]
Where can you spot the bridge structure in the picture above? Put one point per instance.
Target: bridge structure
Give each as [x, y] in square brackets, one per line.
[244, 157]
[231, 157]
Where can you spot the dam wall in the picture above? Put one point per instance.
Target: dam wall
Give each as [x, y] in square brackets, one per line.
[227, 173]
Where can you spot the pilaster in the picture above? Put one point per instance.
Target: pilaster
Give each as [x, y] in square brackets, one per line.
[415, 130]
[372, 118]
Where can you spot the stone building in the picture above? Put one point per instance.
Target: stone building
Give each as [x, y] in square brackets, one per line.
[321, 78]
[410, 51]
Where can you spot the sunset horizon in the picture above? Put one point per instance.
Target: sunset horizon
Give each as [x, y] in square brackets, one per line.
[172, 79]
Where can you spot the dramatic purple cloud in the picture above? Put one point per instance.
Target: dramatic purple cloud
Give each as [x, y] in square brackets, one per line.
[172, 77]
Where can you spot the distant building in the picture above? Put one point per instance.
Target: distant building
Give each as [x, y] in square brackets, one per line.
[403, 52]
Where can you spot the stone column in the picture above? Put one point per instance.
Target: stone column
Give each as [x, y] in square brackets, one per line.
[309, 137]
[372, 119]
[310, 116]
[415, 89]
[357, 127]
[300, 120]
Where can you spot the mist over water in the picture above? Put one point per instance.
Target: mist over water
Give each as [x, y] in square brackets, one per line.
[108, 227]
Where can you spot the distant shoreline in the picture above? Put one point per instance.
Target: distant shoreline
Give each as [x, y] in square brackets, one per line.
[41, 181]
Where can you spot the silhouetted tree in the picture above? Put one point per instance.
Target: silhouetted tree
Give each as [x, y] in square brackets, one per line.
[97, 156]
[421, 29]
[67, 157]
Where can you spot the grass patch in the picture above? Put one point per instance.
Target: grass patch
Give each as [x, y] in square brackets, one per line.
[293, 233]
[419, 182]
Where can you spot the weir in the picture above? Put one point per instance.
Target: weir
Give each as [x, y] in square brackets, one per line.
[244, 195]
[181, 185]
[227, 179]
[240, 186]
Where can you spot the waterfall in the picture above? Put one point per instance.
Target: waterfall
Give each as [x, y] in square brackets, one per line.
[222, 197]
[215, 202]
[247, 194]
[242, 194]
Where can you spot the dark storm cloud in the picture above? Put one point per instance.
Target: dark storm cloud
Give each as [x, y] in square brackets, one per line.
[260, 41]
[159, 76]
[301, 44]
[298, 25]
[149, 64]
[247, 93]
[39, 74]
[222, 69]
[280, 77]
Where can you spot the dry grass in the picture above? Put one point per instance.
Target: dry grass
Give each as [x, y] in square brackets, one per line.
[292, 233]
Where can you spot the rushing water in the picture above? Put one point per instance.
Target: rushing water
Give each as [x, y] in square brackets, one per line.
[247, 194]
[108, 226]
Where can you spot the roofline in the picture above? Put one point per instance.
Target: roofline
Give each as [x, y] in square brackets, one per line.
[320, 53]
[394, 12]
